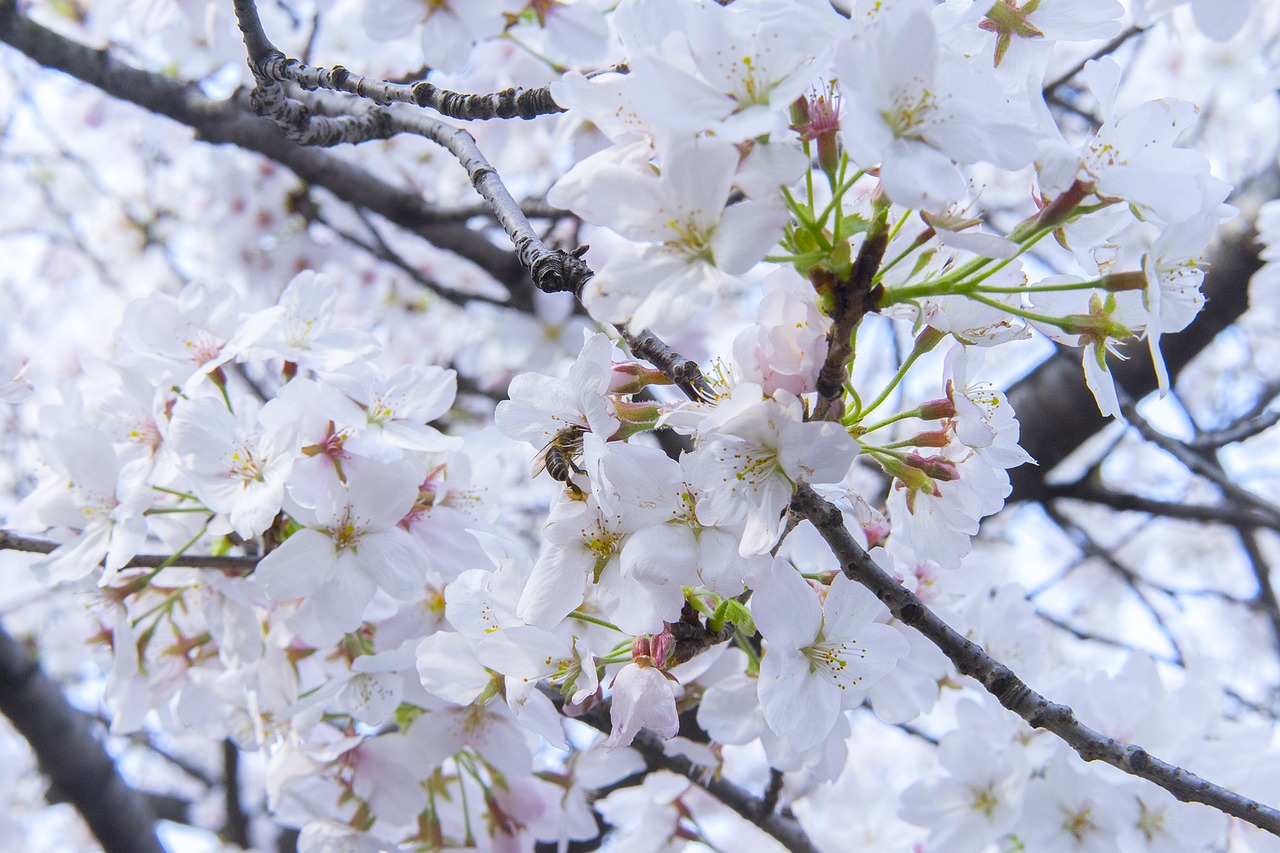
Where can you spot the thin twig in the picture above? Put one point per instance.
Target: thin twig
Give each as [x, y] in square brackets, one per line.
[1246, 428]
[1110, 47]
[1199, 463]
[232, 565]
[1131, 579]
[1224, 513]
[267, 60]
[1265, 600]
[220, 122]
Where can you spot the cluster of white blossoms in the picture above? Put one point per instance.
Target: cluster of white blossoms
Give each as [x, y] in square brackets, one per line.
[412, 630]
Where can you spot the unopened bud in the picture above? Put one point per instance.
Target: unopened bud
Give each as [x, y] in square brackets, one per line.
[928, 338]
[631, 377]
[1057, 212]
[930, 438]
[936, 410]
[660, 648]
[1116, 282]
[640, 652]
[934, 467]
[635, 418]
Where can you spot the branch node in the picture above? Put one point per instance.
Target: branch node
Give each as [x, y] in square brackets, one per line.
[560, 272]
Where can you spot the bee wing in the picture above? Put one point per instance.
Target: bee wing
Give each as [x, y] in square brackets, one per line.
[540, 461]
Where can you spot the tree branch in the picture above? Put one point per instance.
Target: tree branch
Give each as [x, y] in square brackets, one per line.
[684, 372]
[1198, 463]
[231, 122]
[1224, 513]
[784, 828]
[853, 298]
[231, 565]
[235, 826]
[267, 61]
[970, 659]
[1055, 408]
[78, 768]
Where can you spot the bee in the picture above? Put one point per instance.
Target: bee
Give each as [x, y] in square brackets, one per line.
[559, 457]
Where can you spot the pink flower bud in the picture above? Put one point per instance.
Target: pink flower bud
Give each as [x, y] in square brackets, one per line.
[935, 467]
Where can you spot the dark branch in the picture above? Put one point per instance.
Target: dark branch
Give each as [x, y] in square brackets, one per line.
[232, 122]
[970, 659]
[684, 372]
[232, 565]
[1055, 408]
[71, 755]
[267, 61]
[782, 827]
[853, 298]
[1225, 513]
[1198, 463]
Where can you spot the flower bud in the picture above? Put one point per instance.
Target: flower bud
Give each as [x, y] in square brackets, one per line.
[936, 410]
[930, 438]
[934, 467]
[631, 377]
[818, 118]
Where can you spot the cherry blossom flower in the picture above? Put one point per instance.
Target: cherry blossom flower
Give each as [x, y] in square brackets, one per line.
[756, 450]
[350, 547]
[695, 236]
[449, 27]
[541, 407]
[821, 658]
[667, 547]
[917, 107]
[193, 334]
[1172, 294]
[398, 410]
[314, 420]
[18, 388]
[303, 332]
[1066, 810]
[708, 67]
[984, 420]
[642, 698]
[96, 493]
[236, 470]
[1132, 156]
[582, 544]
[976, 803]
[787, 345]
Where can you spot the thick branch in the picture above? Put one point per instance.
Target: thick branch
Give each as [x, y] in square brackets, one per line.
[970, 659]
[235, 828]
[684, 372]
[231, 122]
[78, 768]
[852, 299]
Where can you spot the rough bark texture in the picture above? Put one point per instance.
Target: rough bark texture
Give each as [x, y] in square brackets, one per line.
[71, 755]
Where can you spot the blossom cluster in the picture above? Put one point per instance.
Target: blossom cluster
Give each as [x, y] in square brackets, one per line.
[412, 598]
